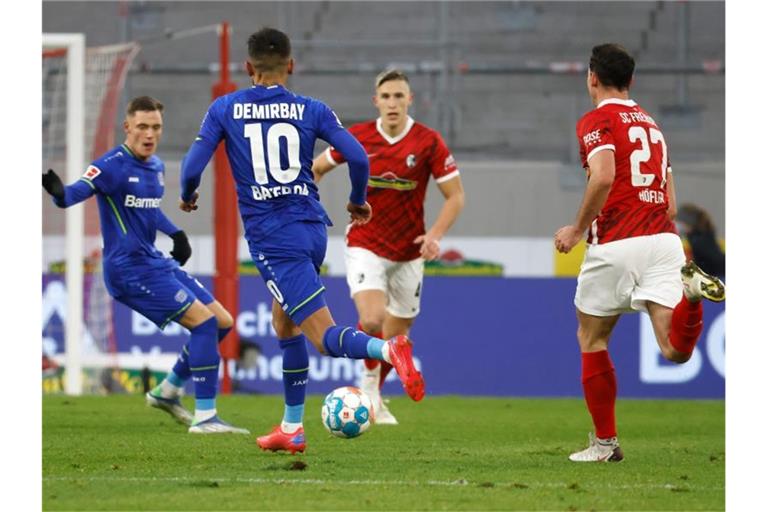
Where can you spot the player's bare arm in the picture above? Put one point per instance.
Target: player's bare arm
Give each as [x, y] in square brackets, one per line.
[321, 166]
[672, 209]
[602, 170]
[453, 192]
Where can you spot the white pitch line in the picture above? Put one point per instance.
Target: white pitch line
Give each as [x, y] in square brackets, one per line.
[407, 483]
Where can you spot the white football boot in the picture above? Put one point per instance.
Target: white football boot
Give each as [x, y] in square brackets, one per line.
[599, 450]
[215, 425]
[698, 284]
[172, 406]
[382, 414]
[369, 384]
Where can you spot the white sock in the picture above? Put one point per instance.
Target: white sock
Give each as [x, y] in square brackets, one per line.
[289, 428]
[385, 353]
[168, 390]
[202, 415]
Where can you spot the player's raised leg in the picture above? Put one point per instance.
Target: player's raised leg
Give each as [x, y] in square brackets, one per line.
[289, 435]
[340, 341]
[598, 380]
[678, 329]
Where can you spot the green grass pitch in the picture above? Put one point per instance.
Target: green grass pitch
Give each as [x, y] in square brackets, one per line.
[448, 453]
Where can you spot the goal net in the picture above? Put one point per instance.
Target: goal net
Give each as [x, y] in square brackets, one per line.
[81, 90]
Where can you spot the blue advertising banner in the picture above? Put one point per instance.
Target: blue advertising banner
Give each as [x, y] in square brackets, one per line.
[475, 336]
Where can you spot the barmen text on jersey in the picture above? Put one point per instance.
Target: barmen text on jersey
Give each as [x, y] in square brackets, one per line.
[293, 111]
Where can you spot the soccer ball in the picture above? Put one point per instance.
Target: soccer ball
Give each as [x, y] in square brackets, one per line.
[347, 412]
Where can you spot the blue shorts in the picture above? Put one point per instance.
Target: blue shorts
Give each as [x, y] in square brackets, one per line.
[161, 295]
[289, 261]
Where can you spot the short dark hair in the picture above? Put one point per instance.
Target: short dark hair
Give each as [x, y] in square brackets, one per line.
[143, 104]
[613, 65]
[269, 49]
[391, 74]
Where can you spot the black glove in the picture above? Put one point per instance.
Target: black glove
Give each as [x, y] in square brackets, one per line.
[181, 249]
[53, 185]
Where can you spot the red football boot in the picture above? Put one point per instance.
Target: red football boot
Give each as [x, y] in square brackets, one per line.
[279, 440]
[401, 354]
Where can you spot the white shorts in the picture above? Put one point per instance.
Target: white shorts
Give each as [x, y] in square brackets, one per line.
[399, 280]
[620, 276]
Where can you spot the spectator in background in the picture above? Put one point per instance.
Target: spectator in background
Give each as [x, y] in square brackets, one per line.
[696, 226]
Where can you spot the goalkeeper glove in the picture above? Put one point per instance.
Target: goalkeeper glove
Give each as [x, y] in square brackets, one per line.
[53, 185]
[181, 249]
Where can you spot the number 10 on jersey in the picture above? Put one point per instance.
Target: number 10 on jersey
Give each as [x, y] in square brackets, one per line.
[265, 158]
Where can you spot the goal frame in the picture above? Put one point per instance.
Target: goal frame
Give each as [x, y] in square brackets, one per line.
[74, 43]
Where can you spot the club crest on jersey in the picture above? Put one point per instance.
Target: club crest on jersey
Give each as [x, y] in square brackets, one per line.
[91, 172]
[410, 161]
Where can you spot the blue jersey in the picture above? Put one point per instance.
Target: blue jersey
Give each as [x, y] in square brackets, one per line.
[270, 135]
[129, 191]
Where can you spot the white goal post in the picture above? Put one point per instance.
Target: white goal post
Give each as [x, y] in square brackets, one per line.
[74, 45]
[82, 88]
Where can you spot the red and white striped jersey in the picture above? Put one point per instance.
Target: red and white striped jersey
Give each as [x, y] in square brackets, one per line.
[400, 170]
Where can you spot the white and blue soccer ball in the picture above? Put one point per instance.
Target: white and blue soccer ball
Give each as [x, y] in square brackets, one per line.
[347, 412]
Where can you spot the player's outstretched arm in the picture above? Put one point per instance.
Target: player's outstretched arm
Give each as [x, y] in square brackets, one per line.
[64, 197]
[321, 166]
[602, 171]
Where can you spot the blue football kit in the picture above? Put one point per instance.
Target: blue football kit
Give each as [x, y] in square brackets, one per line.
[270, 135]
[129, 192]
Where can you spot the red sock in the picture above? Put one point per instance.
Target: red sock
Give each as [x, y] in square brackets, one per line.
[598, 379]
[371, 364]
[385, 369]
[686, 325]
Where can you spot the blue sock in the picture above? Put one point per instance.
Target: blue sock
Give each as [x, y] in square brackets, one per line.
[181, 368]
[204, 359]
[349, 342]
[174, 379]
[295, 377]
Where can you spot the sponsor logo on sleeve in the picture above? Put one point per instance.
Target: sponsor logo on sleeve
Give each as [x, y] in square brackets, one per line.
[592, 137]
[180, 296]
[91, 172]
[449, 162]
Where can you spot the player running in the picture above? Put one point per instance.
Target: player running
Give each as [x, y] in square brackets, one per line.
[634, 259]
[385, 257]
[128, 182]
[270, 135]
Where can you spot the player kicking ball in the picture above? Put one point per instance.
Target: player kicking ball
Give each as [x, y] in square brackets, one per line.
[128, 182]
[634, 259]
[385, 257]
[270, 135]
